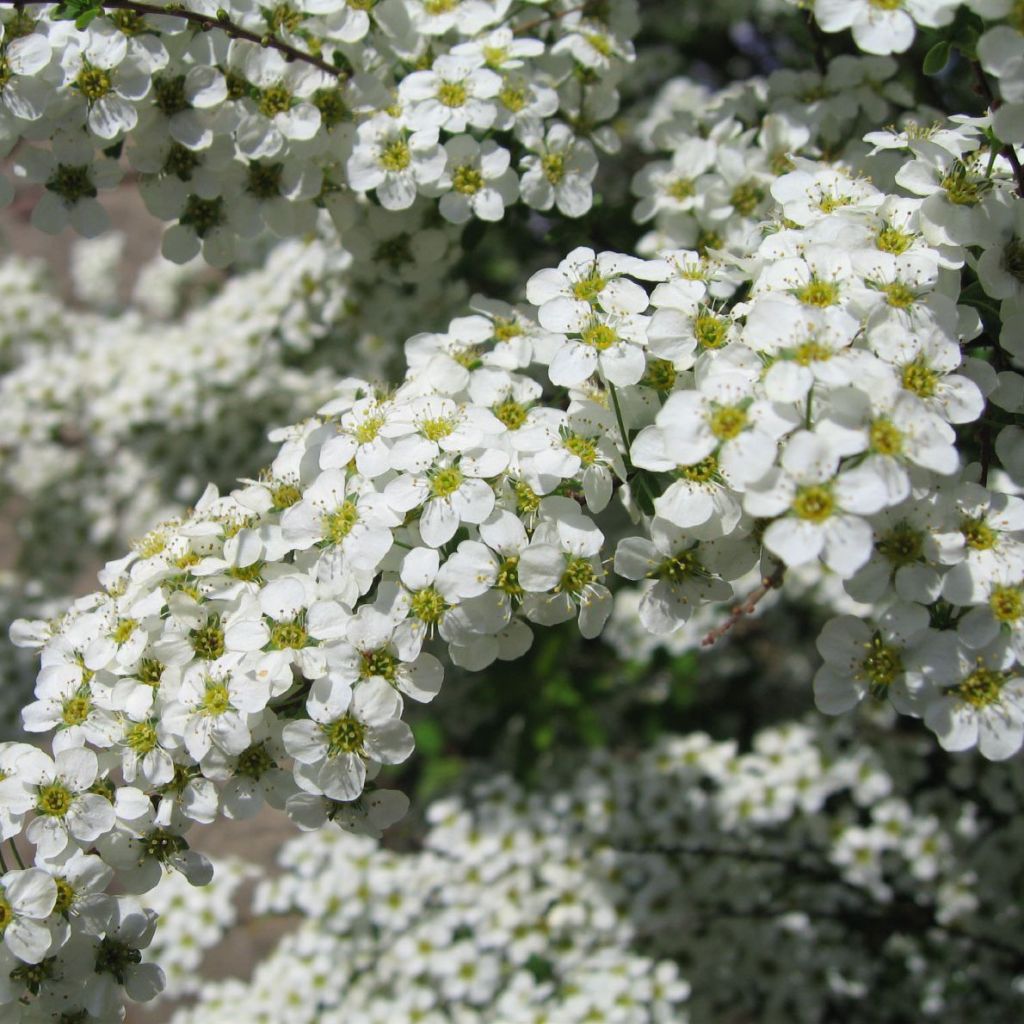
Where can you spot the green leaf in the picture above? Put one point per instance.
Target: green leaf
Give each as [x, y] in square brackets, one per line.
[937, 58]
[81, 12]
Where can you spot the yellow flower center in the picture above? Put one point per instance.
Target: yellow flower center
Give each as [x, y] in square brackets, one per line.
[811, 352]
[75, 710]
[347, 735]
[452, 94]
[445, 482]
[727, 422]
[818, 293]
[285, 495]
[208, 640]
[553, 166]
[660, 375]
[599, 336]
[902, 545]
[216, 701]
[54, 800]
[511, 413]
[680, 567]
[341, 522]
[703, 472]
[746, 197]
[814, 504]
[1007, 603]
[898, 295]
[577, 575]
[93, 83]
[468, 180]
[920, 379]
[379, 662]
[428, 605]
[274, 100]
[395, 156]
[978, 535]
[141, 737]
[711, 331]
[894, 241]
[65, 896]
[584, 448]
[881, 666]
[981, 688]
[435, 429]
[681, 189]
[587, 289]
[508, 577]
[886, 439]
[288, 636]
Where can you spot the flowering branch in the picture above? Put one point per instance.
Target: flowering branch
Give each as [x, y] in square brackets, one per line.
[206, 23]
[748, 607]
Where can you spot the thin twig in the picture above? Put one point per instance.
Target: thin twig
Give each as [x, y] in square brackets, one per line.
[206, 23]
[537, 22]
[747, 607]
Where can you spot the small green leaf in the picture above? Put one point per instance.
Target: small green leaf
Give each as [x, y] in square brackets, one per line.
[937, 58]
[81, 12]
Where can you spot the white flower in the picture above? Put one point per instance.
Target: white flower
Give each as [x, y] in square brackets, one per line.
[346, 728]
[901, 660]
[212, 708]
[585, 279]
[560, 571]
[984, 706]
[71, 176]
[351, 522]
[607, 342]
[394, 162]
[1001, 265]
[882, 27]
[98, 68]
[819, 510]
[680, 575]
[26, 91]
[118, 965]
[560, 173]
[66, 810]
[672, 185]
[26, 900]
[480, 180]
[375, 645]
[454, 94]
[453, 492]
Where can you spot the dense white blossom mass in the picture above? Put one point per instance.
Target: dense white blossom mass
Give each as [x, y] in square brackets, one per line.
[807, 369]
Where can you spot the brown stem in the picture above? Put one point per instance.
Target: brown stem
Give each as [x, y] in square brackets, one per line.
[985, 90]
[206, 23]
[747, 607]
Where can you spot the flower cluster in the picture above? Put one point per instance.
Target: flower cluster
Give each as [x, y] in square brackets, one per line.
[808, 368]
[244, 119]
[566, 904]
[116, 415]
